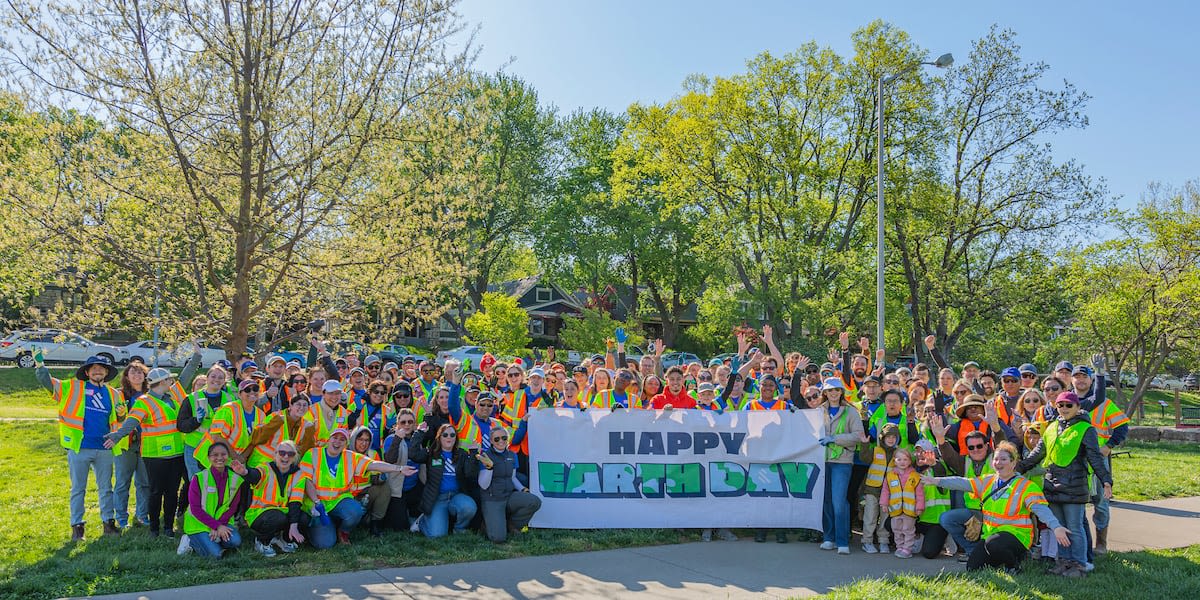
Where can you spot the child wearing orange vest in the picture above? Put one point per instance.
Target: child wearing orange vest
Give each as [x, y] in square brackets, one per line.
[903, 497]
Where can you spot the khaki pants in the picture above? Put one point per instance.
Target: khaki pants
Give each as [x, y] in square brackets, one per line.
[379, 496]
[873, 519]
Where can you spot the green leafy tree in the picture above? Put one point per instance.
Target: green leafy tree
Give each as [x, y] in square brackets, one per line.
[500, 325]
[589, 331]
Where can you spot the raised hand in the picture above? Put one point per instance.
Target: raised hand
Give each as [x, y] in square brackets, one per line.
[936, 427]
[844, 340]
[768, 334]
[659, 346]
[990, 415]
[834, 356]
[1099, 363]
[802, 363]
[930, 342]
[864, 344]
[620, 335]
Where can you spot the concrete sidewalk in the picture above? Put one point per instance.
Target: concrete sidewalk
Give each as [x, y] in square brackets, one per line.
[740, 569]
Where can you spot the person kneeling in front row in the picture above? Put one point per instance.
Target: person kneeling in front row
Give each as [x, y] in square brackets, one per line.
[212, 503]
[507, 505]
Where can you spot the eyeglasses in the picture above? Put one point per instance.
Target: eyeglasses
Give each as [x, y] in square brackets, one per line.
[976, 447]
[285, 453]
[299, 382]
[449, 434]
[1052, 388]
[892, 381]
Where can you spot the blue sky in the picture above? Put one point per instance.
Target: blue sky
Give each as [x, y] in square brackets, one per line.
[1140, 61]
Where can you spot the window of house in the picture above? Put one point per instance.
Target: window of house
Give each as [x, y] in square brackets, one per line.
[543, 295]
[537, 326]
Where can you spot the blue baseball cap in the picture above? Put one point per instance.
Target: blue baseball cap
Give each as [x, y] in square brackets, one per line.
[1064, 365]
[1011, 372]
[1082, 370]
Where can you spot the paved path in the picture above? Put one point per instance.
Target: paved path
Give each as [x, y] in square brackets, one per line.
[740, 569]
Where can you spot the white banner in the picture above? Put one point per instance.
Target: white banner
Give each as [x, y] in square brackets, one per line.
[678, 468]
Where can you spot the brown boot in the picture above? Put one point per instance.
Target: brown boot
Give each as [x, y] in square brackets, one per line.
[110, 527]
[77, 532]
[1060, 565]
[1101, 542]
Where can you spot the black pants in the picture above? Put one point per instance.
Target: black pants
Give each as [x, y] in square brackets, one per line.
[167, 489]
[999, 550]
[268, 524]
[934, 540]
[401, 511]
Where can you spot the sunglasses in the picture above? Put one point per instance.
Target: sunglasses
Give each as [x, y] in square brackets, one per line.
[404, 395]
[377, 392]
[892, 381]
[500, 438]
[374, 368]
[407, 422]
[285, 453]
[812, 396]
[1009, 380]
[977, 447]
[514, 374]
[449, 434]
[429, 370]
[1028, 375]
[768, 368]
[961, 392]
[1052, 388]
[1033, 401]
[1066, 404]
[485, 404]
[299, 382]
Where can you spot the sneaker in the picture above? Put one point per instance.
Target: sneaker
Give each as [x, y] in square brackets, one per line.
[843, 550]
[827, 546]
[903, 554]
[123, 523]
[343, 537]
[416, 525]
[264, 549]
[884, 548]
[706, 535]
[870, 549]
[284, 546]
[726, 535]
[951, 546]
[1089, 567]
[184, 546]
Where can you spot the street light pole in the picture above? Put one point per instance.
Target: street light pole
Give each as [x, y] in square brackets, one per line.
[942, 61]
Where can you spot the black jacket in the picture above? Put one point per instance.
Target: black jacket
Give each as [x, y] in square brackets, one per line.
[1069, 484]
[466, 470]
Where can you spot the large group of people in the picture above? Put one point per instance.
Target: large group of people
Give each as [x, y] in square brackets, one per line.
[989, 467]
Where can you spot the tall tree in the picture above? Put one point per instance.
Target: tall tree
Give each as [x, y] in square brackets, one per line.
[259, 113]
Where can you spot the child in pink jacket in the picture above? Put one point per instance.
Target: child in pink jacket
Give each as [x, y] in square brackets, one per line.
[903, 497]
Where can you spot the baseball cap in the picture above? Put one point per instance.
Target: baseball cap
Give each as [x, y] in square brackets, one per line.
[872, 379]
[358, 370]
[827, 367]
[832, 382]
[225, 364]
[925, 445]
[971, 363]
[537, 372]
[332, 385]
[408, 359]
[158, 375]
[1011, 372]
[248, 384]
[715, 362]
[390, 367]
[1082, 370]
[371, 359]
[706, 387]
[246, 366]
[340, 431]
[1070, 397]
[1028, 368]
[273, 359]
[293, 363]
[1064, 365]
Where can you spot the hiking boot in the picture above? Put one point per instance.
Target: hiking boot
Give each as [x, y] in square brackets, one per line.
[77, 532]
[781, 536]
[111, 528]
[1074, 570]
[1101, 542]
[760, 536]
[1060, 565]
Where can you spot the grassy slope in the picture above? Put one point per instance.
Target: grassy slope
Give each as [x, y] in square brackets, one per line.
[1159, 573]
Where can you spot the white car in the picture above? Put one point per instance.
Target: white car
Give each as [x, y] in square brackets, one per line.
[461, 353]
[1168, 382]
[170, 357]
[57, 345]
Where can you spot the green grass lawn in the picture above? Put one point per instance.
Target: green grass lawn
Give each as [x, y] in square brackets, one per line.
[1159, 574]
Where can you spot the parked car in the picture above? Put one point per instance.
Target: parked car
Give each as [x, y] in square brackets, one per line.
[57, 345]
[634, 353]
[1191, 382]
[1168, 382]
[170, 357]
[678, 359]
[461, 353]
[389, 356]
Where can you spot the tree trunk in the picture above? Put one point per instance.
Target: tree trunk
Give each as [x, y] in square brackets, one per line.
[633, 288]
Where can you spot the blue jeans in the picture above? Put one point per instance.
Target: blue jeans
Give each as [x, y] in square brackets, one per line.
[189, 461]
[131, 469]
[205, 547]
[1071, 516]
[835, 513]
[344, 516]
[437, 522]
[79, 464]
[955, 523]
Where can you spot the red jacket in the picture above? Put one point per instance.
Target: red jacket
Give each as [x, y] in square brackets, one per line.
[682, 400]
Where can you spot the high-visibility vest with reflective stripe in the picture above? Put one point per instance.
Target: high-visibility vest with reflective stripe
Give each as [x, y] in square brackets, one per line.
[1063, 446]
[902, 495]
[193, 438]
[330, 488]
[971, 473]
[833, 451]
[208, 498]
[71, 409]
[1107, 417]
[965, 428]
[1008, 509]
[160, 434]
[879, 418]
[757, 404]
[878, 468]
[514, 412]
[265, 452]
[266, 495]
[233, 415]
[325, 425]
[937, 501]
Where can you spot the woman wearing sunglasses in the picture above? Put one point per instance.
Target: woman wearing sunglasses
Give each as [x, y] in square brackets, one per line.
[450, 481]
[1069, 446]
[507, 504]
[273, 518]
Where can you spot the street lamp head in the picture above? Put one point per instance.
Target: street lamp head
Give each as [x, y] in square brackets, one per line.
[944, 61]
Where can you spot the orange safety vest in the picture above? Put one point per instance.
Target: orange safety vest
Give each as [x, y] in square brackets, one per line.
[1007, 510]
[265, 452]
[325, 425]
[266, 495]
[965, 427]
[70, 414]
[232, 417]
[330, 488]
[512, 415]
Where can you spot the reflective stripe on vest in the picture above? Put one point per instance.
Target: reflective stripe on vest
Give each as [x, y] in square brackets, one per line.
[1063, 446]
[70, 415]
[160, 435]
[879, 418]
[232, 414]
[265, 452]
[965, 427]
[1007, 510]
[833, 451]
[878, 468]
[971, 473]
[330, 489]
[902, 495]
[266, 494]
[1105, 418]
[937, 501]
[208, 497]
[325, 426]
[193, 438]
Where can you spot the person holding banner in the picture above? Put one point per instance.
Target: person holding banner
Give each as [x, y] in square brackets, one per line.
[843, 433]
[507, 504]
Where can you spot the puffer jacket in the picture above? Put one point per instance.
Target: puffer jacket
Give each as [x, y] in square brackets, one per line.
[1069, 484]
